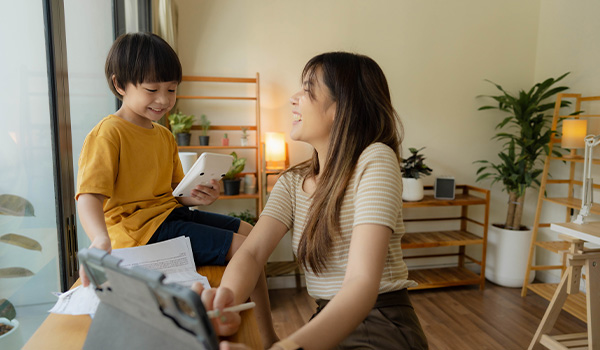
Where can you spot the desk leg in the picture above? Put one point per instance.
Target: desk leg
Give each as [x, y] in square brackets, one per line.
[593, 305]
[552, 312]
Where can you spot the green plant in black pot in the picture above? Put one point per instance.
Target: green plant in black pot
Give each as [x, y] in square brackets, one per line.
[181, 124]
[205, 125]
[231, 181]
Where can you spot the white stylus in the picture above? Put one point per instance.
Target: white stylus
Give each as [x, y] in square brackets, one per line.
[236, 308]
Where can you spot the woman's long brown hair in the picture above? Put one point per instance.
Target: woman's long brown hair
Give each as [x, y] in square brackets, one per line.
[364, 115]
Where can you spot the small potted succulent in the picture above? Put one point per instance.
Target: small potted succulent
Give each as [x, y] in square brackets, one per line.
[244, 139]
[205, 124]
[225, 140]
[231, 181]
[181, 124]
[413, 168]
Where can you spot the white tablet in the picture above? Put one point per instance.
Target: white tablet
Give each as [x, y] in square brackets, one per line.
[207, 167]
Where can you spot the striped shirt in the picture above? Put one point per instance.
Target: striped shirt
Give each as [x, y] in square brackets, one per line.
[373, 196]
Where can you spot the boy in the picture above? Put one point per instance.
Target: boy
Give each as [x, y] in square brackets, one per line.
[129, 164]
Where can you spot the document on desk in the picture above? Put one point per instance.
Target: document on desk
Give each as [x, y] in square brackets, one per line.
[174, 258]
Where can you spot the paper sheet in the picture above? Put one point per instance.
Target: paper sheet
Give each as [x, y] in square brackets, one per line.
[173, 258]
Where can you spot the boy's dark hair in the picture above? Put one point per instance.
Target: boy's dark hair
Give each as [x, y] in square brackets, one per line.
[138, 57]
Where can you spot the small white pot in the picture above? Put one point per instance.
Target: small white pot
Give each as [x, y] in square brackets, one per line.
[244, 142]
[12, 340]
[506, 258]
[412, 189]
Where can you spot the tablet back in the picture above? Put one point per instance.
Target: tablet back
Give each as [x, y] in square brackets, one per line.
[138, 311]
[207, 167]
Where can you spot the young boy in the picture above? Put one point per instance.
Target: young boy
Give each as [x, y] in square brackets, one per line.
[129, 165]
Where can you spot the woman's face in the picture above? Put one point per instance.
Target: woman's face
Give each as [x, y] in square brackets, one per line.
[313, 117]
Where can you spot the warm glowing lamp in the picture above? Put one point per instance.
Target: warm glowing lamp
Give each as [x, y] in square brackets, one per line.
[574, 132]
[275, 153]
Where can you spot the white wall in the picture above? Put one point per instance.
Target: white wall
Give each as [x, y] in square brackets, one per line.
[436, 55]
[568, 42]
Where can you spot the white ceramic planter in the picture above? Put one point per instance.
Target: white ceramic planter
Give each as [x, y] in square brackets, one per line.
[412, 189]
[12, 340]
[506, 259]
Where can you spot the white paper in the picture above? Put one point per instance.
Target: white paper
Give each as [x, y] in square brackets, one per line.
[174, 258]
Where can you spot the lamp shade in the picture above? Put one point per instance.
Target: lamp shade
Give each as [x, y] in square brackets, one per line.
[573, 133]
[275, 154]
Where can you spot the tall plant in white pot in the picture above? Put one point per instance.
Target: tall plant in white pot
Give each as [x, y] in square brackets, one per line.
[525, 134]
[413, 168]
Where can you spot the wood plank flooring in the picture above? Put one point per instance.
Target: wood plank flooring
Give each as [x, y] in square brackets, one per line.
[456, 318]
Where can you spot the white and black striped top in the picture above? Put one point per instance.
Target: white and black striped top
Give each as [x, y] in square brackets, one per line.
[373, 196]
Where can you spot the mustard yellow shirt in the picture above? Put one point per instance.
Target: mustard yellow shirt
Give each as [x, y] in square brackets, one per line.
[133, 167]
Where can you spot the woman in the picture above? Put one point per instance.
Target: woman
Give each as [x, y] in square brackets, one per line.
[344, 208]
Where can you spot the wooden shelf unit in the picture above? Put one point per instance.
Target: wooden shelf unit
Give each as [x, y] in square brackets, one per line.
[257, 147]
[457, 275]
[574, 303]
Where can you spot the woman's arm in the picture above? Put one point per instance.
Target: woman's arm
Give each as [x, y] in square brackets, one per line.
[248, 262]
[350, 306]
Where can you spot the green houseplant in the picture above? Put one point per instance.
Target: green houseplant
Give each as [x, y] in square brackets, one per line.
[413, 168]
[525, 133]
[11, 205]
[205, 125]
[231, 181]
[181, 124]
[245, 216]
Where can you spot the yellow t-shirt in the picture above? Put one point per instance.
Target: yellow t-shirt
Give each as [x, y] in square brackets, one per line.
[134, 168]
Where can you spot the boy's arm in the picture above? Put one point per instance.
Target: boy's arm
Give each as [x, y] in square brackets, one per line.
[91, 214]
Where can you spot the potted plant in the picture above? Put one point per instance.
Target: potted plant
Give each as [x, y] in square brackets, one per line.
[245, 216]
[225, 140]
[10, 331]
[525, 134]
[244, 139]
[205, 124]
[413, 168]
[181, 124]
[231, 181]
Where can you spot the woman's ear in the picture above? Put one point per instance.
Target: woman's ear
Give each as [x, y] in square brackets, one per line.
[118, 88]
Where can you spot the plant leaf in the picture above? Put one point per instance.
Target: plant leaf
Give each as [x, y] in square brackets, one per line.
[21, 241]
[15, 206]
[12, 272]
[7, 310]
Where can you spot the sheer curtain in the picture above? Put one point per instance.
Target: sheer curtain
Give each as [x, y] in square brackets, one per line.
[164, 20]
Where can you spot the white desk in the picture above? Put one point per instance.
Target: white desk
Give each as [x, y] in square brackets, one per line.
[577, 257]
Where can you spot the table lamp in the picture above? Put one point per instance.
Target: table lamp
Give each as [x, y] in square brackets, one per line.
[275, 152]
[573, 133]
[587, 190]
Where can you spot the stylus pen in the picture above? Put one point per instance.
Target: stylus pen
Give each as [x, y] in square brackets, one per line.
[236, 308]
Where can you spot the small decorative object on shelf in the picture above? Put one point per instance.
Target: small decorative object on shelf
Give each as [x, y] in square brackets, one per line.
[205, 124]
[231, 181]
[244, 139]
[249, 184]
[225, 140]
[413, 168]
[181, 124]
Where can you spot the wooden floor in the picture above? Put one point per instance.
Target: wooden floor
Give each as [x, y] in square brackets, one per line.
[456, 318]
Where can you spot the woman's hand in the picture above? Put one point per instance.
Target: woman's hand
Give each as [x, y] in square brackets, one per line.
[228, 322]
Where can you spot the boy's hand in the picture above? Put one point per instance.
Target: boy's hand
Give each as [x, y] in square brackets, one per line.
[99, 243]
[228, 322]
[205, 195]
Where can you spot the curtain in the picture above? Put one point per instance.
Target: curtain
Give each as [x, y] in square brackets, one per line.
[164, 20]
